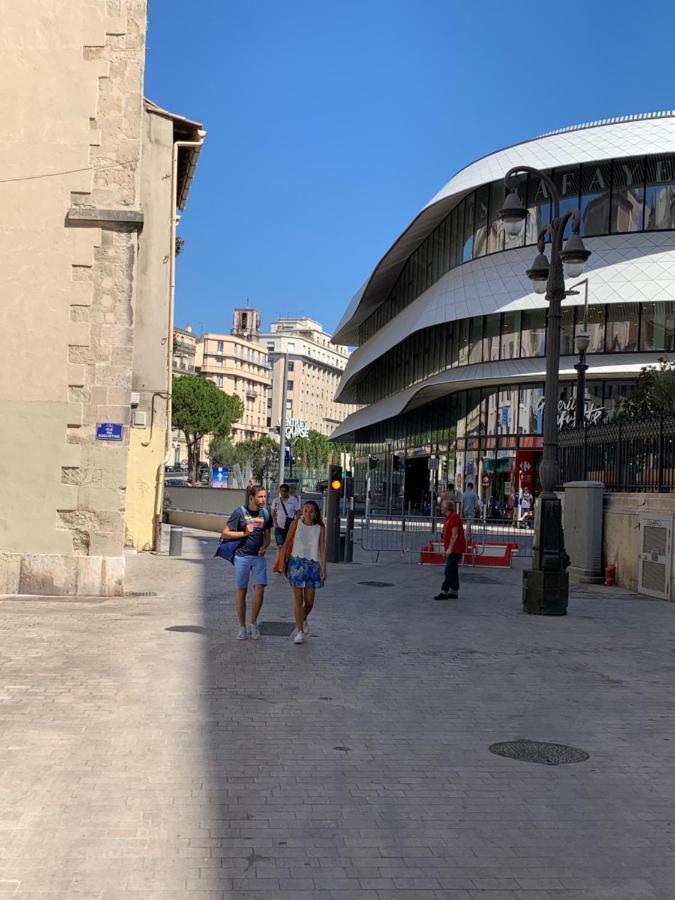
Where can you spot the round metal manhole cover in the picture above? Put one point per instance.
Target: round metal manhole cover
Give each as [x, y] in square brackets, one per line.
[538, 752]
[376, 583]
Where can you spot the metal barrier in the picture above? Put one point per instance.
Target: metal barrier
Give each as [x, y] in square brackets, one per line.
[407, 535]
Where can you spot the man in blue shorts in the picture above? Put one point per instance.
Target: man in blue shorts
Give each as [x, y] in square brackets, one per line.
[252, 525]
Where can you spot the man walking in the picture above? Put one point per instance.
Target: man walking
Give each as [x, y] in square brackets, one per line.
[284, 510]
[251, 524]
[470, 507]
[455, 545]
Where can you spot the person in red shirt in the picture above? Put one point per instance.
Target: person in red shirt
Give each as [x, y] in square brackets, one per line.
[455, 545]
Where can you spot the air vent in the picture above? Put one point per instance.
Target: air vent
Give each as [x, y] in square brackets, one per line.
[655, 556]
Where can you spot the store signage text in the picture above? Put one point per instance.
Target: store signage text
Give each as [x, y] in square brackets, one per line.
[566, 411]
[296, 428]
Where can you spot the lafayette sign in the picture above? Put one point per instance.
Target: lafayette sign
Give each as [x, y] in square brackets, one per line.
[296, 428]
[566, 411]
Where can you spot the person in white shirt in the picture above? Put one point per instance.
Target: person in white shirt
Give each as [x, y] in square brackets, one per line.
[284, 510]
[305, 553]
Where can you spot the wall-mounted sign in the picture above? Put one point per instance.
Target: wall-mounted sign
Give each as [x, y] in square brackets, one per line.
[296, 428]
[219, 476]
[109, 431]
[566, 411]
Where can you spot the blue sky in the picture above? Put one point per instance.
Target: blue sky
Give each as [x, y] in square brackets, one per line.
[331, 125]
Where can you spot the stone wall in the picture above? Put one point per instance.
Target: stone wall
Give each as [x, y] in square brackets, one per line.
[621, 532]
[69, 231]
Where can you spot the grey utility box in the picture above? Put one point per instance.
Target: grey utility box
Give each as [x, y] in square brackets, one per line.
[582, 522]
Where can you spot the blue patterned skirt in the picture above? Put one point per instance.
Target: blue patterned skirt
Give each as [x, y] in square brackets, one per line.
[304, 573]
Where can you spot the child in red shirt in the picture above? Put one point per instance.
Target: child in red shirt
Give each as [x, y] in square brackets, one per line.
[455, 546]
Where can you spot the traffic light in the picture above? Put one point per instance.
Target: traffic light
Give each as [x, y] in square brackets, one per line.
[349, 485]
[372, 462]
[335, 480]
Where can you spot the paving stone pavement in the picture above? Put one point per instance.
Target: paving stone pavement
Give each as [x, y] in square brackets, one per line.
[147, 754]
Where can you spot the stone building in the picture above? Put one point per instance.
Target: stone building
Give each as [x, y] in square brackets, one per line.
[315, 366]
[79, 240]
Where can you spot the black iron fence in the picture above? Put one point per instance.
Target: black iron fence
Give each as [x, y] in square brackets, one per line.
[634, 455]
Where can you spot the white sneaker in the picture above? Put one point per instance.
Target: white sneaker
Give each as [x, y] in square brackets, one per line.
[254, 631]
[242, 634]
[305, 627]
[299, 638]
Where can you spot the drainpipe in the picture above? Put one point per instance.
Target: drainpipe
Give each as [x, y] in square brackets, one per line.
[196, 147]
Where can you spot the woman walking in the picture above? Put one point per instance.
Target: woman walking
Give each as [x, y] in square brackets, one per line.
[305, 550]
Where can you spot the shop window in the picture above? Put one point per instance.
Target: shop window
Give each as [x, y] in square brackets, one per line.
[507, 414]
[628, 196]
[595, 326]
[491, 339]
[614, 393]
[533, 340]
[660, 192]
[510, 335]
[476, 340]
[463, 342]
[567, 347]
[473, 408]
[539, 207]
[566, 179]
[622, 327]
[467, 240]
[658, 327]
[531, 410]
[481, 221]
[594, 201]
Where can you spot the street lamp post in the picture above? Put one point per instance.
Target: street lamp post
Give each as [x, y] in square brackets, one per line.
[545, 586]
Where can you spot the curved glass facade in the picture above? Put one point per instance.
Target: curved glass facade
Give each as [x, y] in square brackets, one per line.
[615, 196]
[614, 328]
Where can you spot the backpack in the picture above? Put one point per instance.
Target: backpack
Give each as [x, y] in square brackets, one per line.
[227, 549]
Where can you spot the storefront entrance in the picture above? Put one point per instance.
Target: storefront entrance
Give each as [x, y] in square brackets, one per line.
[417, 483]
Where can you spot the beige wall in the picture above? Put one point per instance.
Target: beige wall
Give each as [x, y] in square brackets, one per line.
[621, 532]
[67, 286]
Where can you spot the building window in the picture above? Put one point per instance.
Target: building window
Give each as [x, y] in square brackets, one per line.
[658, 327]
[660, 193]
[291, 365]
[289, 385]
[221, 347]
[622, 327]
[289, 405]
[290, 346]
[510, 337]
[628, 195]
[219, 380]
[533, 339]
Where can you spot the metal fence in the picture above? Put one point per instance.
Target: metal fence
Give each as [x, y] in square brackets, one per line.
[636, 455]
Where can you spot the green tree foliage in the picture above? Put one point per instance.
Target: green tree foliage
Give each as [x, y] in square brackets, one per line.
[315, 451]
[261, 454]
[222, 452]
[199, 408]
[653, 394]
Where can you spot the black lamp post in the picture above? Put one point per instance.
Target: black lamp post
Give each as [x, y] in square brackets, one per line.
[545, 586]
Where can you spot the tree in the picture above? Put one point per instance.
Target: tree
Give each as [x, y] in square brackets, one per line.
[261, 454]
[222, 452]
[199, 408]
[653, 394]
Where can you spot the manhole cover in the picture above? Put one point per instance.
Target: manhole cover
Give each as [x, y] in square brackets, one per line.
[538, 752]
[191, 629]
[277, 629]
[376, 583]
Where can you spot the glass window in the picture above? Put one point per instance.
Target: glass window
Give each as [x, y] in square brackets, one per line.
[510, 337]
[531, 410]
[476, 340]
[481, 221]
[221, 346]
[595, 327]
[567, 181]
[660, 192]
[614, 393]
[463, 342]
[508, 411]
[594, 202]
[455, 255]
[533, 340]
[539, 208]
[567, 331]
[628, 195]
[461, 414]
[622, 327]
[658, 327]
[467, 241]
[473, 424]
[291, 365]
[491, 339]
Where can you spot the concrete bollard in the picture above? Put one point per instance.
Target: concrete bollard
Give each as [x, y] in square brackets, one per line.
[176, 541]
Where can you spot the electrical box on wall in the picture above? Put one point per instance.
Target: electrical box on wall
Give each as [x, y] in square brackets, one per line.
[135, 399]
[139, 418]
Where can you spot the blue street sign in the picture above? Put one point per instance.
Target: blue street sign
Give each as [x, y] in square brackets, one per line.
[109, 431]
[505, 416]
[219, 476]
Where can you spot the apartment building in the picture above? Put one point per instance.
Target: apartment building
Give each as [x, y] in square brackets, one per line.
[184, 350]
[315, 366]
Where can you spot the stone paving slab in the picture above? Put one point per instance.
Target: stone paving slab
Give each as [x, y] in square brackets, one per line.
[141, 761]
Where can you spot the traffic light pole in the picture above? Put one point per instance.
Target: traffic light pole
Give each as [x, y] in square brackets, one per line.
[282, 425]
[333, 495]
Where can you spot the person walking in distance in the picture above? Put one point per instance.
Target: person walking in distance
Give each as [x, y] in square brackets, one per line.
[470, 507]
[305, 552]
[455, 545]
[284, 509]
[252, 525]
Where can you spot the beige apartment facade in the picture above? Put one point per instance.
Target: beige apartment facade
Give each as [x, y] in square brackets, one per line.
[72, 196]
[315, 366]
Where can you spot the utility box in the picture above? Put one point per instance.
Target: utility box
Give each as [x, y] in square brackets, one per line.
[656, 555]
[582, 525]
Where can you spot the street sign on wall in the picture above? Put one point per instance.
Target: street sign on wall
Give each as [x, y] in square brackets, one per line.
[109, 431]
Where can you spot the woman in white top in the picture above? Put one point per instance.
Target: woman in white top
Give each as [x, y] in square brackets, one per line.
[306, 570]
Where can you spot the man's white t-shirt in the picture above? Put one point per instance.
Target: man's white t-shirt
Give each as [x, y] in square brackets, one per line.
[292, 506]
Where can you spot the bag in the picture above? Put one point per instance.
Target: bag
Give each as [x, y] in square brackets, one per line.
[281, 564]
[227, 549]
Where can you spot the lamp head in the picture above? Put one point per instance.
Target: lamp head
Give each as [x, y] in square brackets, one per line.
[582, 340]
[538, 273]
[513, 213]
[574, 256]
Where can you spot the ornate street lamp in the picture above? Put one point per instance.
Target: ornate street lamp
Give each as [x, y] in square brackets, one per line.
[545, 586]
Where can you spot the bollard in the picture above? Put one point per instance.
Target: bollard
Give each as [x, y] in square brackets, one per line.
[176, 541]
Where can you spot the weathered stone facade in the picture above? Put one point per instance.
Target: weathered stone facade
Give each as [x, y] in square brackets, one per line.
[72, 239]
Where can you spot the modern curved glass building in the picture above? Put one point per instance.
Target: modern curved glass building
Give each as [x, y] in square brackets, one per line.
[451, 338]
